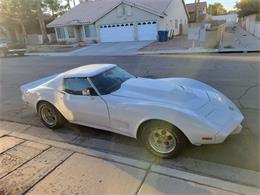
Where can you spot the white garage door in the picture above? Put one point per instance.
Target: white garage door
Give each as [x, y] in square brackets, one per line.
[117, 33]
[147, 31]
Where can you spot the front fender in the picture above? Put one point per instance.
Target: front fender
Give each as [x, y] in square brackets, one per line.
[191, 125]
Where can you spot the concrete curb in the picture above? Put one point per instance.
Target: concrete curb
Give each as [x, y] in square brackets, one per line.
[197, 51]
[160, 52]
[183, 175]
[77, 55]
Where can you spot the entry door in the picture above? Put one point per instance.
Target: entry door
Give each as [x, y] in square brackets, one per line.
[147, 31]
[81, 108]
[117, 33]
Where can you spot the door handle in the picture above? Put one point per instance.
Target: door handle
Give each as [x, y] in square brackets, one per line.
[62, 92]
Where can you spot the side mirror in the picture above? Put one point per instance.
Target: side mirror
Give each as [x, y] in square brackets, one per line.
[89, 92]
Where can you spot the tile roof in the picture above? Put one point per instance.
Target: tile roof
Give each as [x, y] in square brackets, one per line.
[90, 11]
[191, 6]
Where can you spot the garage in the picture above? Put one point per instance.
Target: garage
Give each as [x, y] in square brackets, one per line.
[117, 33]
[147, 31]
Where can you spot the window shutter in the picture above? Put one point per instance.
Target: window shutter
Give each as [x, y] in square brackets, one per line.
[129, 10]
[119, 11]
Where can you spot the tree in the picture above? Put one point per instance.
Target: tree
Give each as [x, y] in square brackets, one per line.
[196, 10]
[248, 7]
[18, 11]
[216, 9]
[37, 7]
[68, 4]
[24, 11]
[54, 7]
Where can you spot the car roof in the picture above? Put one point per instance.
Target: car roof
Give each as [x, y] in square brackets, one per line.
[88, 70]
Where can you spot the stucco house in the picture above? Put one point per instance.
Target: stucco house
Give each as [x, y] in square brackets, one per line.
[202, 10]
[120, 20]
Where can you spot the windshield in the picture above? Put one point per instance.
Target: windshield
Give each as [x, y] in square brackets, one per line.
[110, 80]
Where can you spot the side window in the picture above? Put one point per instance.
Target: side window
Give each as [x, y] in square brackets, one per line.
[75, 86]
[60, 33]
[87, 31]
[176, 24]
[71, 33]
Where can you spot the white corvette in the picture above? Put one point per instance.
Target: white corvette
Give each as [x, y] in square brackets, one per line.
[163, 113]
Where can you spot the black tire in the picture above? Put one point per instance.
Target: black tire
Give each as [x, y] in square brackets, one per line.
[59, 120]
[178, 144]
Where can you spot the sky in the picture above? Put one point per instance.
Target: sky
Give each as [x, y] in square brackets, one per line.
[228, 4]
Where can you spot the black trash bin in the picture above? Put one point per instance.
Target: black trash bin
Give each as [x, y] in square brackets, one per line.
[163, 35]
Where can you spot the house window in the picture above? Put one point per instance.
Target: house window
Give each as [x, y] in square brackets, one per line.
[71, 33]
[88, 31]
[176, 24]
[60, 33]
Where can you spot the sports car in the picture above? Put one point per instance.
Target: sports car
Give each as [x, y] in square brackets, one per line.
[163, 113]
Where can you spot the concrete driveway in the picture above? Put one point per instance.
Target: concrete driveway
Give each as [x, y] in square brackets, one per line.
[116, 48]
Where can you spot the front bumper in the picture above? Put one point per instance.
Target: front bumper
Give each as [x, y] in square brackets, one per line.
[222, 135]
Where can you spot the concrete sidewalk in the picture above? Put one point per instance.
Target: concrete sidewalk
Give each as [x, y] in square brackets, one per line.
[236, 38]
[101, 49]
[31, 165]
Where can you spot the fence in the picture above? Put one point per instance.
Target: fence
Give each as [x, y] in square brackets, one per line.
[207, 35]
[36, 39]
[251, 24]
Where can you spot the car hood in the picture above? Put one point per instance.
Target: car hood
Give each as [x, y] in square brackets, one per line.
[169, 91]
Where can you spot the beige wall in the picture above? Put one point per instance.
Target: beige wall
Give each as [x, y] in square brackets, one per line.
[136, 16]
[214, 37]
[175, 11]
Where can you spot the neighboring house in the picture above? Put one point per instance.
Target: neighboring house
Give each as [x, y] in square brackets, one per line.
[120, 20]
[202, 10]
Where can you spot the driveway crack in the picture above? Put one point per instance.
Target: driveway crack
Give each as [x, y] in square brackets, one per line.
[243, 95]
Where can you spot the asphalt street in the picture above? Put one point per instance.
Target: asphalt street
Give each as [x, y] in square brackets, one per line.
[236, 75]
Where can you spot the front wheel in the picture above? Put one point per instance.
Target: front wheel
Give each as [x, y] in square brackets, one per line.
[50, 116]
[162, 139]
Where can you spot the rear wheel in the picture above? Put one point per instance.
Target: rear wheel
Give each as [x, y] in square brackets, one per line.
[50, 116]
[162, 139]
